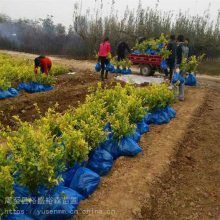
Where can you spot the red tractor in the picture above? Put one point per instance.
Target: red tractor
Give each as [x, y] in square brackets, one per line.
[148, 63]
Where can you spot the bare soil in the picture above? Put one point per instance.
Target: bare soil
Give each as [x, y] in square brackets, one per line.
[191, 188]
[176, 176]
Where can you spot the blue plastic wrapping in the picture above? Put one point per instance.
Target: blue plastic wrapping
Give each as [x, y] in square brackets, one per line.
[22, 192]
[137, 52]
[175, 78]
[136, 136]
[113, 70]
[33, 87]
[98, 67]
[128, 147]
[158, 117]
[148, 51]
[129, 71]
[68, 175]
[100, 161]
[191, 80]
[170, 111]
[112, 147]
[59, 203]
[85, 181]
[124, 71]
[163, 65]
[142, 127]
[11, 92]
[178, 77]
[118, 70]
[160, 46]
[110, 67]
[153, 52]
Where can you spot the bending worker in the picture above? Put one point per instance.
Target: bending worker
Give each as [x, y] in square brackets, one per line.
[44, 63]
[121, 48]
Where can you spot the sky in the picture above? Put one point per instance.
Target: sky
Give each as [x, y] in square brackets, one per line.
[62, 10]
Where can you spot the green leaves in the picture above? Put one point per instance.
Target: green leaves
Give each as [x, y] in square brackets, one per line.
[156, 97]
[154, 44]
[76, 147]
[22, 70]
[43, 149]
[190, 65]
[37, 159]
[126, 63]
[6, 183]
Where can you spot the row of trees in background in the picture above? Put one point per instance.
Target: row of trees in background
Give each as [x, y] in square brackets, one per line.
[82, 39]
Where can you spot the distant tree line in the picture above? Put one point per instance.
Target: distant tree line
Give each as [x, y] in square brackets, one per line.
[82, 38]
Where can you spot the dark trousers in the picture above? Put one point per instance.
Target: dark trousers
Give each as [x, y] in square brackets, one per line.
[104, 62]
[171, 66]
[121, 56]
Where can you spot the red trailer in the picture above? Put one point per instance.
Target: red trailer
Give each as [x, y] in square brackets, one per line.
[148, 63]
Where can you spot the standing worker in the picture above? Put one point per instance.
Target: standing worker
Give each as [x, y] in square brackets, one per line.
[179, 50]
[187, 50]
[44, 63]
[171, 61]
[121, 48]
[180, 56]
[104, 51]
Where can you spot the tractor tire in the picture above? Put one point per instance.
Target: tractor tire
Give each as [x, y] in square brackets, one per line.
[146, 70]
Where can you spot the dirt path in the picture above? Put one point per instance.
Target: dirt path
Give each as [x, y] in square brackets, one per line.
[191, 188]
[124, 192]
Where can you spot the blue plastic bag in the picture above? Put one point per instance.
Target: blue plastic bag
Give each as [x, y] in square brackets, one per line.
[171, 112]
[153, 52]
[22, 192]
[34, 87]
[136, 52]
[178, 77]
[68, 175]
[148, 51]
[129, 71]
[100, 161]
[124, 71]
[98, 67]
[136, 136]
[160, 46]
[163, 65]
[142, 127]
[118, 70]
[110, 67]
[85, 181]
[113, 70]
[17, 217]
[111, 146]
[11, 92]
[191, 80]
[175, 78]
[158, 117]
[128, 147]
[60, 203]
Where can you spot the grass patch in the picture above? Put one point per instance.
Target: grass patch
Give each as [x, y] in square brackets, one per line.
[210, 67]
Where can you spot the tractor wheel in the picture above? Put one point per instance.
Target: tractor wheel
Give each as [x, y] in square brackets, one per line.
[146, 70]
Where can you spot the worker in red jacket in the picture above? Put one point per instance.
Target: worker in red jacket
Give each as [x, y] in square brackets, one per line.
[104, 51]
[44, 63]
